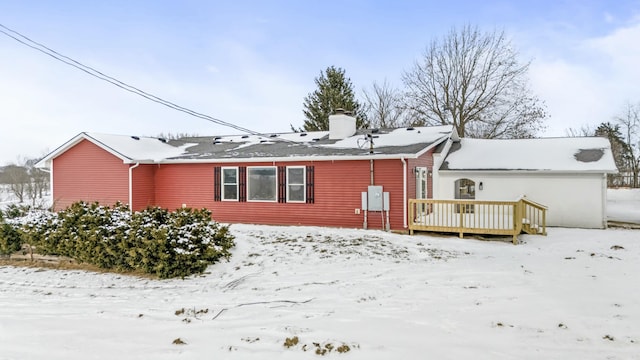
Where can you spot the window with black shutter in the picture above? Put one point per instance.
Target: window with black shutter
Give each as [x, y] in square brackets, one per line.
[294, 184]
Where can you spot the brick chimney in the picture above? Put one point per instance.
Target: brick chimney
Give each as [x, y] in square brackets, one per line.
[341, 125]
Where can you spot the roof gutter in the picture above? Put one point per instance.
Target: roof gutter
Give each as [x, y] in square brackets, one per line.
[292, 158]
[131, 185]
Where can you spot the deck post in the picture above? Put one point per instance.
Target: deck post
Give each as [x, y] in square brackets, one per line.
[461, 223]
[412, 216]
[517, 220]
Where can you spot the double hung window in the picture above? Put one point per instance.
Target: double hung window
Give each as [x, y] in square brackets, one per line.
[296, 184]
[230, 183]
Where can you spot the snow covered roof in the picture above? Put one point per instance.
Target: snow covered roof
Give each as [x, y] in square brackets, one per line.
[139, 148]
[577, 154]
[128, 148]
[394, 143]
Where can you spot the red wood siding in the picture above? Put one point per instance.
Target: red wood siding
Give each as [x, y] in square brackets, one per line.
[388, 173]
[338, 185]
[87, 172]
[426, 160]
[189, 184]
[143, 183]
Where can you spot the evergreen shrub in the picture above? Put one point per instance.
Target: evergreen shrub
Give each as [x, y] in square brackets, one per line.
[154, 241]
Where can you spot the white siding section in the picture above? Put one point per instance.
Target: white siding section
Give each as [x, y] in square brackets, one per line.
[574, 200]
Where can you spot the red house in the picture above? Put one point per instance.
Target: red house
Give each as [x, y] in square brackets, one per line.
[341, 177]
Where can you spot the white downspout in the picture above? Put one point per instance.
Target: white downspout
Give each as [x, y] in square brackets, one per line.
[50, 171]
[605, 223]
[404, 191]
[131, 185]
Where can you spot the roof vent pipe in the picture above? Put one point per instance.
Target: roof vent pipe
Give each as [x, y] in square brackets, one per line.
[341, 125]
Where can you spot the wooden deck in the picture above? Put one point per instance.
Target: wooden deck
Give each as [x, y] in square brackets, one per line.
[478, 217]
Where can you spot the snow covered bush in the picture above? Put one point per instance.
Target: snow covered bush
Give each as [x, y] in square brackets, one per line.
[154, 241]
[14, 211]
[10, 237]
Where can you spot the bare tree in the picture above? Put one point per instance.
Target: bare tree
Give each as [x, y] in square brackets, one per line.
[25, 181]
[473, 81]
[584, 130]
[18, 180]
[38, 183]
[383, 105]
[175, 136]
[629, 121]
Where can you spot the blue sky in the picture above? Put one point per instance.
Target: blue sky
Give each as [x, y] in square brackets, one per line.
[253, 62]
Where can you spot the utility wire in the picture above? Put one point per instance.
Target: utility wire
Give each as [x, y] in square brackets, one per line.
[100, 75]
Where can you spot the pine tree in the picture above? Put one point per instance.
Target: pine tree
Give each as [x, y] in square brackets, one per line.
[619, 150]
[335, 91]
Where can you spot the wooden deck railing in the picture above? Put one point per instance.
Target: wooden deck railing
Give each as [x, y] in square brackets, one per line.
[478, 217]
[534, 217]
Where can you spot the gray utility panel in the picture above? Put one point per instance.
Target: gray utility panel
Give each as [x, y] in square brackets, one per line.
[375, 198]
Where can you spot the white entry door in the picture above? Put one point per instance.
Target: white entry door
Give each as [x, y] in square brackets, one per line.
[421, 183]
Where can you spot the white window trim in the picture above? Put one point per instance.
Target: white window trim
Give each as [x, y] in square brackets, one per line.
[304, 184]
[237, 184]
[248, 182]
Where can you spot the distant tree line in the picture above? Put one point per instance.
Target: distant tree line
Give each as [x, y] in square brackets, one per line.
[24, 181]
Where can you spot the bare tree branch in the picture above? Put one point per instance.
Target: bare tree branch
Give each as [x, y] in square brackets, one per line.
[261, 303]
[629, 121]
[383, 105]
[473, 81]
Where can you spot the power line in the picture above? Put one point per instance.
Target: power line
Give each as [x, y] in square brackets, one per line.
[100, 75]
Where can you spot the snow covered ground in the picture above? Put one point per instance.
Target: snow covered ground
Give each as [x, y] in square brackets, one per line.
[6, 198]
[573, 294]
[623, 205]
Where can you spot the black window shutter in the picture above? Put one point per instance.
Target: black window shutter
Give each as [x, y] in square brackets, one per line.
[310, 190]
[217, 179]
[282, 184]
[242, 183]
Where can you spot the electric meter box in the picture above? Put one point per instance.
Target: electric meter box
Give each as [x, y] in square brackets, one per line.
[375, 198]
